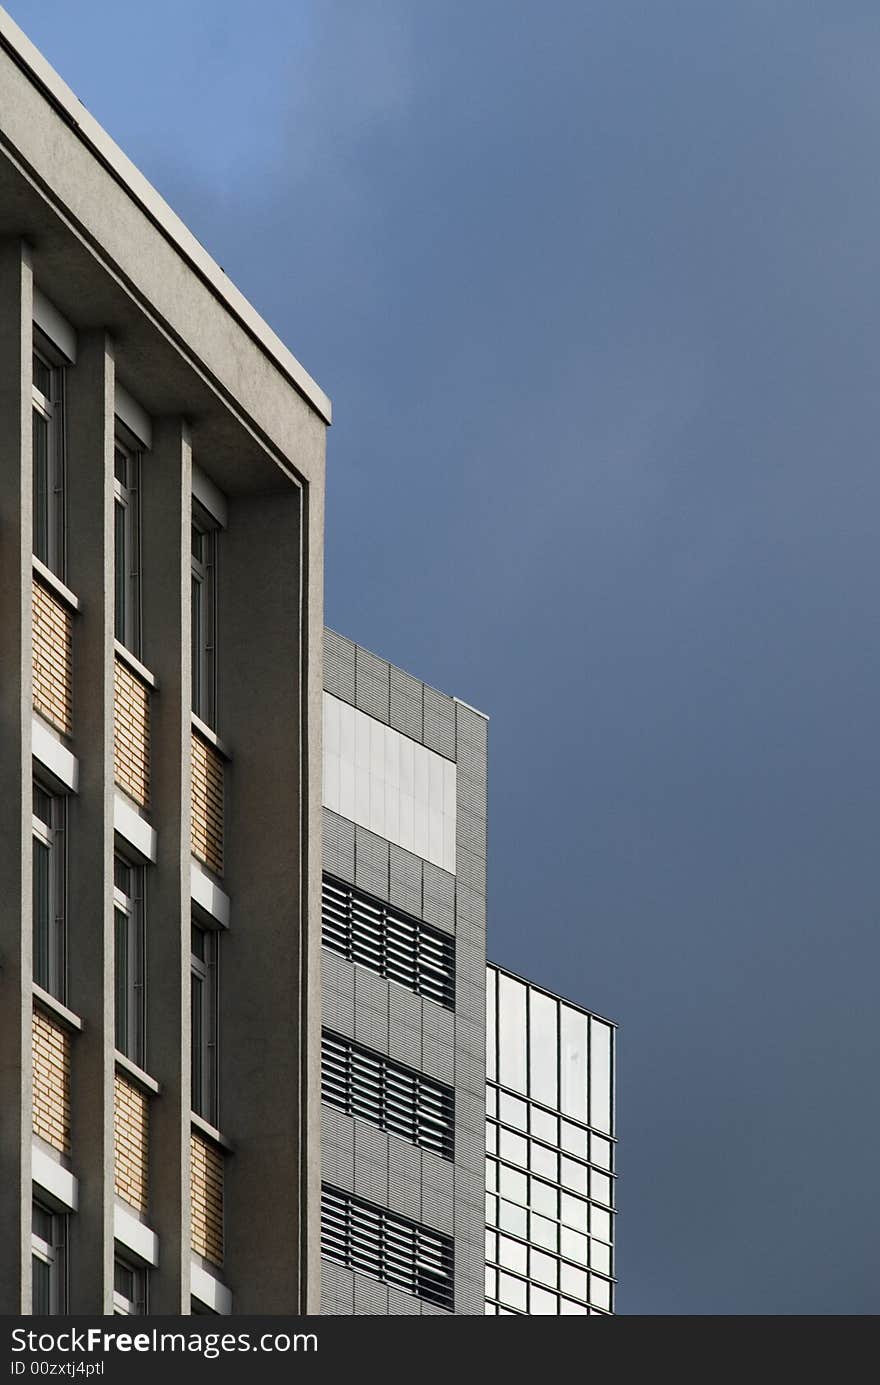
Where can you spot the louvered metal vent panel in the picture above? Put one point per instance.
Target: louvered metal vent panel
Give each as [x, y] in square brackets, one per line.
[376, 1242]
[396, 1098]
[376, 935]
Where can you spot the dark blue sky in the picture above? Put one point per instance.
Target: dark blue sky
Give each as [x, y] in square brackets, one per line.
[595, 289]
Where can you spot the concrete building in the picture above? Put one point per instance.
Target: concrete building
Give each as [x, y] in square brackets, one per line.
[404, 991]
[243, 861]
[161, 525]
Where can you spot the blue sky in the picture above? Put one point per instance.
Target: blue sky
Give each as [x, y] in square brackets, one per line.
[595, 289]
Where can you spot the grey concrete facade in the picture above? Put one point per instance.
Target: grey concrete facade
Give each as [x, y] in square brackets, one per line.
[153, 319]
[444, 1043]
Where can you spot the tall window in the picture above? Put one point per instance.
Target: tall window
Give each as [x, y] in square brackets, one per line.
[49, 1255]
[49, 891]
[128, 903]
[126, 487]
[48, 461]
[129, 1288]
[204, 1022]
[204, 616]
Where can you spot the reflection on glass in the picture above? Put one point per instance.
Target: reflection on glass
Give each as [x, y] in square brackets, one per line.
[512, 1254]
[513, 1111]
[573, 1245]
[512, 1033]
[42, 910]
[543, 1161]
[490, 1025]
[573, 1063]
[600, 1075]
[544, 1232]
[513, 1147]
[574, 1176]
[543, 1048]
[544, 1268]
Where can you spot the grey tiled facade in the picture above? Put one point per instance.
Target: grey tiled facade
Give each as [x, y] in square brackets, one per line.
[384, 1016]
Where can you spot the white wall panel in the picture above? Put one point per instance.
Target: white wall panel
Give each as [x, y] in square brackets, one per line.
[388, 783]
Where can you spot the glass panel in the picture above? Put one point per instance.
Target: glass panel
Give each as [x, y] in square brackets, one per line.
[600, 1292]
[513, 1147]
[544, 1268]
[122, 875]
[491, 1175]
[573, 1063]
[196, 646]
[543, 1232]
[512, 1033]
[491, 1281]
[574, 1212]
[543, 1048]
[600, 1075]
[40, 449]
[197, 1053]
[574, 1176]
[491, 1245]
[42, 915]
[573, 1281]
[543, 1161]
[122, 983]
[512, 1254]
[513, 1184]
[42, 1288]
[573, 1245]
[513, 1111]
[491, 1209]
[490, 1025]
[600, 1187]
[512, 1291]
[42, 376]
[543, 1198]
[574, 1139]
[491, 1137]
[123, 1276]
[512, 1219]
[600, 1257]
[540, 1302]
[571, 1308]
[41, 1223]
[600, 1223]
[545, 1126]
[600, 1152]
[119, 570]
[491, 1101]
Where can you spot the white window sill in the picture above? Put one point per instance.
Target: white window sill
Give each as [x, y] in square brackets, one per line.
[210, 1132]
[55, 584]
[137, 1074]
[56, 1009]
[203, 730]
[138, 669]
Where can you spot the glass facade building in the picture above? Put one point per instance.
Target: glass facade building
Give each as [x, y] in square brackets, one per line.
[549, 1152]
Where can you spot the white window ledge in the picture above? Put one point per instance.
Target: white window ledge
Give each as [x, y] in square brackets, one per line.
[56, 1009]
[209, 1290]
[53, 1179]
[55, 585]
[208, 896]
[135, 1235]
[137, 1074]
[138, 669]
[60, 763]
[128, 822]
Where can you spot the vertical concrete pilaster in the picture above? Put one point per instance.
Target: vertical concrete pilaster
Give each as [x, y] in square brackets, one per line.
[165, 524]
[90, 416]
[16, 524]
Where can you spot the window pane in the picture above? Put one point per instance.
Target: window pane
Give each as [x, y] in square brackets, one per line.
[545, 1126]
[543, 1161]
[574, 1176]
[490, 1025]
[42, 915]
[512, 1219]
[543, 1048]
[600, 1257]
[196, 642]
[42, 1288]
[574, 1212]
[543, 1198]
[197, 1053]
[512, 1184]
[512, 1254]
[512, 1033]
[513, 1111]
[513, 1147]
[574, 1063]
[119, 569]
[574, 1246]
[543, 1268]
[122, 982]
[42, 376]
[41, 487]
[573, 1282]
[543, 1232]
[600, 1075]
